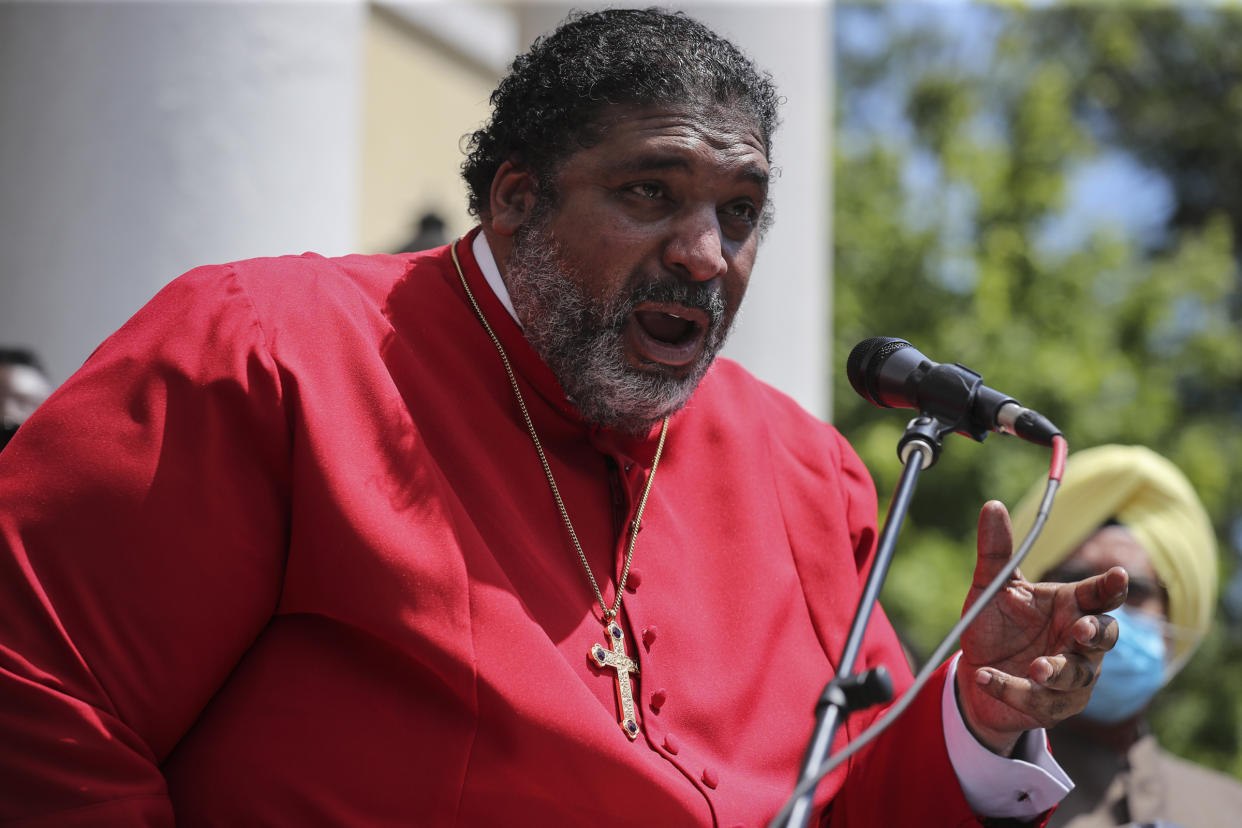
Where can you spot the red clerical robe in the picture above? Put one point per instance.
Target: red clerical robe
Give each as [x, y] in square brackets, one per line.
[282, 553]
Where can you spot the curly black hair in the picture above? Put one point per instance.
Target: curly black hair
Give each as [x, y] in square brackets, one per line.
[549, 103]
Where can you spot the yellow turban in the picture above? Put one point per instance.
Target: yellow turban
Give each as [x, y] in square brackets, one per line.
[1155, 501]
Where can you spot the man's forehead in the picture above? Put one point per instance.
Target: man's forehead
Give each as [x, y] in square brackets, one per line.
[630, 138]
[719, 124]
[1111, 546]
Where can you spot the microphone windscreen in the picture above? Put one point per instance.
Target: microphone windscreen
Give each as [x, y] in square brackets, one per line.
[865, 363]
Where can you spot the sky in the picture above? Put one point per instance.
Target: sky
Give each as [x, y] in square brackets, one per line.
[1109, 190]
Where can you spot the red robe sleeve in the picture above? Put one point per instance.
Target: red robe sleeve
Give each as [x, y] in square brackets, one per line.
[142, 538]
[905, 775]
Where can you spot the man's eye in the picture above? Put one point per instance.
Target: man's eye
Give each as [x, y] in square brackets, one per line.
[742, 210]
[647, 190]
[1143, 590]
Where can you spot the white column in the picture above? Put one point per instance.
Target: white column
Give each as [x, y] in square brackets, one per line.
[142, 139]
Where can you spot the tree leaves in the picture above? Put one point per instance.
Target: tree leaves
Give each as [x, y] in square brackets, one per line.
[963, 133]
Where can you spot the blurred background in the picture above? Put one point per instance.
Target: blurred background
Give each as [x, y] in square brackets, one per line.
[1050, 194]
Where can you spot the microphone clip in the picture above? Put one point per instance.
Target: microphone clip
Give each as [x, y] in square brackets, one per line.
[927, 433]
[954, 395]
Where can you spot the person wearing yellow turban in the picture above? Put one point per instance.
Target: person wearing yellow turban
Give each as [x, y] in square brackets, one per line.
[1128, 506]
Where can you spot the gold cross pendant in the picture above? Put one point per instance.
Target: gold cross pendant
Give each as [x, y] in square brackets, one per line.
[624, 665]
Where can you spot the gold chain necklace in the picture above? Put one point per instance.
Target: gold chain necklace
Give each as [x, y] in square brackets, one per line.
[614, 658]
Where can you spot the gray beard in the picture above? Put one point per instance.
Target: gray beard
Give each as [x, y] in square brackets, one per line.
[582, 340]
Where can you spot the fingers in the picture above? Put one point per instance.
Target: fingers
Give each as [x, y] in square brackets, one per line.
[1068, 671]
[1103, 592]
[1059, 684]
[1094, 633]
[995, 542]
[1042, 704]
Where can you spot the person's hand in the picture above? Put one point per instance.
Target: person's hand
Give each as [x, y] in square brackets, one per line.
[1031, 657]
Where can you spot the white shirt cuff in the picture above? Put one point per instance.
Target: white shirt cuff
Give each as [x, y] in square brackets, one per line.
[1023, 787]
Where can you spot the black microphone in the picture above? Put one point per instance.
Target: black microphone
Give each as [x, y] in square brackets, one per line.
[891, 373]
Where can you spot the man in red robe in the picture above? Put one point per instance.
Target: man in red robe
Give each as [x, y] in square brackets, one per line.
[485, 534]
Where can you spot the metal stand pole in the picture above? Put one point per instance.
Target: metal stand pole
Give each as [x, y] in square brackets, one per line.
[918, 449]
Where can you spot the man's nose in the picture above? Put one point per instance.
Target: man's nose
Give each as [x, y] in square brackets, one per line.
[695, 249]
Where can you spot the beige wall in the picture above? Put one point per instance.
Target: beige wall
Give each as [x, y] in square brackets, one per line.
[419, 99]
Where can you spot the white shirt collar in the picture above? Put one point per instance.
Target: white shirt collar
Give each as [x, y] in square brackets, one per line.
[487, 263]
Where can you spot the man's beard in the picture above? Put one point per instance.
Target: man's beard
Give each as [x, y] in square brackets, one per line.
[582, 339]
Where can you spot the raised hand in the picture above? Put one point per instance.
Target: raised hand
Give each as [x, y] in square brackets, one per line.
[1031, 657]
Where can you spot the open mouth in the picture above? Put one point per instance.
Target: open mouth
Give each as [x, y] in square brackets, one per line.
[668, 334]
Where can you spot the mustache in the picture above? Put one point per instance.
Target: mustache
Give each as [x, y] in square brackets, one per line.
[707, 297]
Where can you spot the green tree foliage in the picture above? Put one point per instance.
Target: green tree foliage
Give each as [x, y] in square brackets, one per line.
[961, 135]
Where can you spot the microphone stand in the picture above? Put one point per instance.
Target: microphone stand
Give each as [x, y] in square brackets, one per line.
[918, 449]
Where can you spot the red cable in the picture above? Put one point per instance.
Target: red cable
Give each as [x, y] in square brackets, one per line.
[1060, 449]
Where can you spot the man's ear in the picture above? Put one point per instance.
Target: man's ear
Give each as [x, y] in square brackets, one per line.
[512, 198]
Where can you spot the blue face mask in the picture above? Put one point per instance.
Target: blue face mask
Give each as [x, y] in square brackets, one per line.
[1132, 671]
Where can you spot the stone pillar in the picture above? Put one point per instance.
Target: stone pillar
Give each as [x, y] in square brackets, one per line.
[143, 139]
